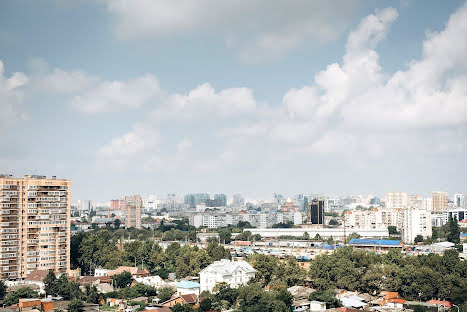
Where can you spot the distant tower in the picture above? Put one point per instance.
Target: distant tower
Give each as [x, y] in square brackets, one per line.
[316, 211]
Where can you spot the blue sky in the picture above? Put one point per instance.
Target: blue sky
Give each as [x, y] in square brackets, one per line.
[255, 97]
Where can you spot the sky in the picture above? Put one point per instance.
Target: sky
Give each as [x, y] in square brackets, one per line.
[235, 96]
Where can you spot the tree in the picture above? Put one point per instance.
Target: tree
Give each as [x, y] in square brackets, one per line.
[92, 295]
[165, 293]
[453, 230]
[217, 252]
[333, 222]
[328, 296]
[290, 272]
[392, 230]
[3, 289]
[205, 304]
[434, 233]
[225, 235]
[418, 239]
[14, 296]
[117, 223]
[50, 283]
[265, 266]
[76, 305]
[122, 280]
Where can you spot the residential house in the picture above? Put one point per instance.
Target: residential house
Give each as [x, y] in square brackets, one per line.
[303, 305]
[190, 299]
[155, 281]
[234, 273]
[188, 287]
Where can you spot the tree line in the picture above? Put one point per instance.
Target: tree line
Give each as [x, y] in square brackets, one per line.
[421, 277]
[96, 249]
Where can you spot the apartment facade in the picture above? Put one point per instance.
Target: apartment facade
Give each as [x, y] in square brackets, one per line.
[34, 226]
[376, 218]
[396, 200]
[440, 201]
[133, 206]
[415, 222]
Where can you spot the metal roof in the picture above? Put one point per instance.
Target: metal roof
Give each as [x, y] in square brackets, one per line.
[377, 242]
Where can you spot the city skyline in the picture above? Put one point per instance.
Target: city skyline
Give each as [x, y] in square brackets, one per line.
[122, 101]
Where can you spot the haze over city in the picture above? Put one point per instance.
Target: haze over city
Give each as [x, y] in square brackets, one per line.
[363, 97]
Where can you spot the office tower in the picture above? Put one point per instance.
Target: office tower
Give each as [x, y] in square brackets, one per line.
[459, 200]
[35, 225]
[221, 198]
[440, 201]
[189, 199]
[201, 198]
[396, 200]
[316, 211]
[238, 200]
[415, 222]
[133, 211]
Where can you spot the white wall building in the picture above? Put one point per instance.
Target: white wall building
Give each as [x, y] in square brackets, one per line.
[102, 272]
[336, 233]
[188, 287]
[377, 218]
[459, 213]
[234, 273]
[297, 218]
[427, 204]
[155, 281]
[415, 222]
[396, 200]
[459, 200]
[151, 203]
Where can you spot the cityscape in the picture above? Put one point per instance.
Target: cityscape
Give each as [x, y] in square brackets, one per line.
[233, 156]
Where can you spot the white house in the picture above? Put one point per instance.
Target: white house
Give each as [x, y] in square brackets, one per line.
[188, 287]
[155, 281]
[234, 273]
[102, 272]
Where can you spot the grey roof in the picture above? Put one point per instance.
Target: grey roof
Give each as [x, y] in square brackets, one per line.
[227, 267]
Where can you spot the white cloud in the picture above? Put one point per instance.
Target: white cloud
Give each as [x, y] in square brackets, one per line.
[264, 29]
[352, 109]
[204, 102]
[11, 95]
[111, 96]
[356, 95]
[60, 81]
[137, 148]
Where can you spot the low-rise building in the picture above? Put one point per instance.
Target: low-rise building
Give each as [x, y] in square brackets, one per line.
[234, 273]
[188, 287]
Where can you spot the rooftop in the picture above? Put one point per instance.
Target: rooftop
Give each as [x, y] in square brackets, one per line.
[188, 284]
[377, 242]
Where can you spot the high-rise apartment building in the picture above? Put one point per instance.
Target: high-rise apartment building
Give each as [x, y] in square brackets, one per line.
[459, 200]
[396, 200]
[34, 226]
[221, 198]
[117, 204]
[316, 211]
[238, 200]
[440, 201]
[133, 205]
[415, 222]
